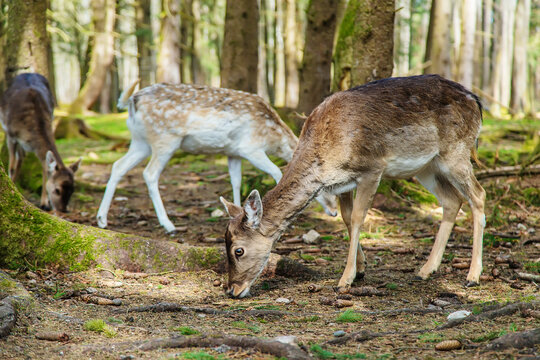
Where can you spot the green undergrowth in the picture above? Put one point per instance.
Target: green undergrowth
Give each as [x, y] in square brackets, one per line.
[99, 326]
[406, 190]
[321, 353]
[186, 330]
[198, 355]
[349, 316]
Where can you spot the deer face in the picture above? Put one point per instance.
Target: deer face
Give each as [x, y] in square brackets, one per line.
[247, 248]
[60, 182]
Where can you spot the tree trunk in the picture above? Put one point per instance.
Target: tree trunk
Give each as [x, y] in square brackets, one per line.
[365, 43]
[239, 58]
[31, 237]
[104, 15]
[263, 89]
[279, 64]
[27, 41]
[291, 64]
[186, 34]
[402, 37]
[467, 46]
[317, 61]
[168, 66]
[519, 103]
[144, 42]
[486, 43]
[438, 41]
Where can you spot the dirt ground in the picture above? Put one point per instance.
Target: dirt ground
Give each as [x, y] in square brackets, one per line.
[398, 240]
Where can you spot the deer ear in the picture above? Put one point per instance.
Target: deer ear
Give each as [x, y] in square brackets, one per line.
[254, 210]
[50, 161]
[75, 166]
[232, 210]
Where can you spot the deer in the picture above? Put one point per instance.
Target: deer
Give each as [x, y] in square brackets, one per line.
[201, 120]
[26, 115]
[423, 126]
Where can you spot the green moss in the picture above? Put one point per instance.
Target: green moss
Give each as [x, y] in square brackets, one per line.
[6, 284]
[349, 316]
[202, 257]
[186, 330]
[98, 325]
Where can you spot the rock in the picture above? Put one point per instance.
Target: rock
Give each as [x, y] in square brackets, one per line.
[164, 281]
[521, 227]
[142, 223]
[282, 300]
[495, 272]
[339, 333]
[434, 307]
[222, 348]
[112, 284]
[217, 213]
[321, 261]
[457, 315]
[217, 282]
[287, 339]
[311, 237]
[120, 198]
[127, 357]
[441, 303]
[502, 259]
[91, 290]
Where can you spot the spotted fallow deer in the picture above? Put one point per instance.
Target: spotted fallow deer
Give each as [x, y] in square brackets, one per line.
[201, 120]
[422, 126]
[26, 114]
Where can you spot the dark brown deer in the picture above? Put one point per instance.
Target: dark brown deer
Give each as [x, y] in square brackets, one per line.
[26, 114]
[422, 126]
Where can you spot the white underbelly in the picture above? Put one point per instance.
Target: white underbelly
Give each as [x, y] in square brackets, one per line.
[403, 167]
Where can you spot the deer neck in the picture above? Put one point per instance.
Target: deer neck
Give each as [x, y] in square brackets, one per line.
[288, 199]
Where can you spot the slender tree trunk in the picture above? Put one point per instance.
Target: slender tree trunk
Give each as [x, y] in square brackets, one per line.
[104, 14]
[240, 46]
[262, 77]
[486, 43]
[317, 61]
[168, 66]
[291, 63]
[365, 43]
[186, 34]
[144, 42]
[279, 74]
[467, 46]
[3, 28]
[27, 41]
[438, 41]
[519, 103]
[402, 37]
[269, 50]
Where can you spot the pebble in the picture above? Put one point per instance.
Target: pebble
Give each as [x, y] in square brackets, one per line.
[127, 357]
[311, 237]
[441, 303]
[339, 333]
[142, 223]
[460, 314]
[520, 226]
[287, 339]
[434, 307]
[222, 348]
[282, 300]
[120, 198]
[217, 282]
[49, 283]
[217, 213]
[112, 284]
[202, 316]
[32, 281]
[91, 290]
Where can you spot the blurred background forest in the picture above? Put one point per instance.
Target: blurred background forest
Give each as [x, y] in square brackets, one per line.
[292, 53]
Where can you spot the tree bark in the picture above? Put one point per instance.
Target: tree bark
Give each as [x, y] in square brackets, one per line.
[402, 37]
[438, 41]
[520, 104]
[186, 34]
[486, 43]
[291, 63]
[31, 237]
[364, 50]
[168, 66]
[143, 31]
[104, 16]
[467, 46]
[317, 61]
[239, 58]
[279, 63]
[27, 41]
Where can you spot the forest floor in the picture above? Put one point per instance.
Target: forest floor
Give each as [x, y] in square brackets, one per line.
[406, 319]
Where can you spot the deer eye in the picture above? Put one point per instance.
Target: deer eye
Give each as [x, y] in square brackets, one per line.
[239, 252]
[57, 191]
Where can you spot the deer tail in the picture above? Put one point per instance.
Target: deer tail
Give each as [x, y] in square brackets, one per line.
[124, 97]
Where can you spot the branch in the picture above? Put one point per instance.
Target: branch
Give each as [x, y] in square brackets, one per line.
[508, 171]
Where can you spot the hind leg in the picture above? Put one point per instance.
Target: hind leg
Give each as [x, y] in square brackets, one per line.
[346, 207]
[138, 151]
[450, 201]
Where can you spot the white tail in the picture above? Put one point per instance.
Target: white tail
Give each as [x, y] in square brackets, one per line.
[201, 120]
[423, 126]
[26, 113]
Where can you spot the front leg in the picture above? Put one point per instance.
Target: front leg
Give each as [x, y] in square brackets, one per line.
[356, 259]
[44, 203]
[235, 172]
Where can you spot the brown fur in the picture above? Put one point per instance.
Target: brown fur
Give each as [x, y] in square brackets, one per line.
[26, 112]
[424, 126]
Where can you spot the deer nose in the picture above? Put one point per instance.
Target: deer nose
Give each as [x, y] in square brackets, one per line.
[237, 291]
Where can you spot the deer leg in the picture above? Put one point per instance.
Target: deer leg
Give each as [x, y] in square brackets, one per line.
[346, 206]
[151, 174]
[451, 203]
[262, 162]
[44, 202]
[19, 157]
[12, 150]
[235, 172]
[138, 150]
[364, 194]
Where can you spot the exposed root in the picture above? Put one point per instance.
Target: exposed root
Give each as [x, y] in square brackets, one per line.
[8, 316]
[518, 340]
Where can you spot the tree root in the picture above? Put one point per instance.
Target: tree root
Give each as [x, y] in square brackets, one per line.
[17, 297]
[508, 171]
[8, 316]
[518, 340]
[173, 307]
[272, 347]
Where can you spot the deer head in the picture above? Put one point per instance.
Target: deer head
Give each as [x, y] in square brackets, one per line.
[247, 247]
[60, 182]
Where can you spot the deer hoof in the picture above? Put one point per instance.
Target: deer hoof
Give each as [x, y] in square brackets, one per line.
[45, 207]
[471, 284]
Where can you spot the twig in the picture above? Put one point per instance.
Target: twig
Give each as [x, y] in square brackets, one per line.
[508, 171]
[528, 277]
[271, 347]
[518, 340]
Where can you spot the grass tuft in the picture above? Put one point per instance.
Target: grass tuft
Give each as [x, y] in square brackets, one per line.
[349, 316]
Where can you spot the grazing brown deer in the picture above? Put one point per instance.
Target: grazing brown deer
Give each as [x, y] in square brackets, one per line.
[422, 126]
[201, 120]
[26, 114]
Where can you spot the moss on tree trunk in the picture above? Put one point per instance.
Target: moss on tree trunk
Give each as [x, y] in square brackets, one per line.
[30, 237]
